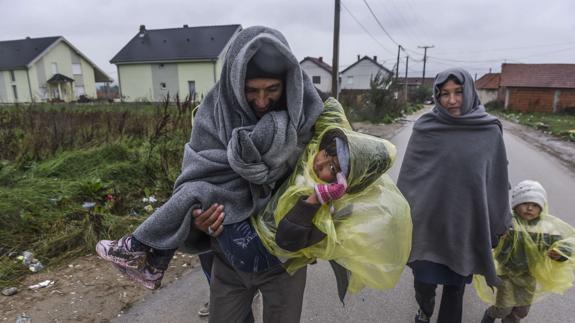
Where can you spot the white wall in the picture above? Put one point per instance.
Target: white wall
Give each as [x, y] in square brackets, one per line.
[358, 77]
[313, 70]
[486, 96]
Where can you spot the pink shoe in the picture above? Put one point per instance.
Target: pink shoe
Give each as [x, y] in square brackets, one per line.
[149, 277]
[120, 253]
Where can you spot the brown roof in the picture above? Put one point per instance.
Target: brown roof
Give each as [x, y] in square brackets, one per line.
[489, 81]
[317, 61]
[538, 75]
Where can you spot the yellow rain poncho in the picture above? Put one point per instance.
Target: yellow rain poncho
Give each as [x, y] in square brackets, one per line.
[524, 266]
[369, 231]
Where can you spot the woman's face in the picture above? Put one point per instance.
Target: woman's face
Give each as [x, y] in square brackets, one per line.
[451, 97]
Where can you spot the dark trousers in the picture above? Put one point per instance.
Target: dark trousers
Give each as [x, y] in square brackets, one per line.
[232, 292]
[206, 261]
[451, 308]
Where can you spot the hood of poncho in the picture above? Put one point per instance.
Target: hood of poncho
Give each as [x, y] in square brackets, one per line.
[233, 158]
[369, 158]
[454, 175]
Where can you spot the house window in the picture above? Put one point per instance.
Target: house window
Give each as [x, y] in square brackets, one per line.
[54, 68]
[350, 79]
[77, 69]
[15, 91]
[316, 79]
[12, 76]
[163, 85]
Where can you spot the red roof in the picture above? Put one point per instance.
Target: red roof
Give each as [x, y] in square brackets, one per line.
[538, 75]
[489, 81]
[317, 61]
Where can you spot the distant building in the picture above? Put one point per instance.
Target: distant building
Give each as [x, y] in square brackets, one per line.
[538, 87]
[319, 72]
[46, 69]
[184, 61]
[358, 75]
[488, 87]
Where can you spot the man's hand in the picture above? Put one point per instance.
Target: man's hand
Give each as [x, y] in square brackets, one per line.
[210, 221]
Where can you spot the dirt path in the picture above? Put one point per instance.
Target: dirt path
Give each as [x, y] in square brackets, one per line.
[87, 289]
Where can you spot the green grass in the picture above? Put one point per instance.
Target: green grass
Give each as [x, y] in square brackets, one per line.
[42, 206]
[558, 124]
[43, 191]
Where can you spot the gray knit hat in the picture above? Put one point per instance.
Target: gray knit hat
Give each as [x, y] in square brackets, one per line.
[267, 63]
[528, 191]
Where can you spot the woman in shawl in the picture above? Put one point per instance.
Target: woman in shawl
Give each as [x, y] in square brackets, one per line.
[454, 176]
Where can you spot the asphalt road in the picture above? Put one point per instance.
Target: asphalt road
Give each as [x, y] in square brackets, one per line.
[180, 301]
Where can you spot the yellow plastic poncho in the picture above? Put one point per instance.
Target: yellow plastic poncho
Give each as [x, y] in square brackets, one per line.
[524, 266]
[369, 232]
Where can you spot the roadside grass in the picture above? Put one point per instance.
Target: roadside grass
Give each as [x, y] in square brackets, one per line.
[558, 124]
[57, 200]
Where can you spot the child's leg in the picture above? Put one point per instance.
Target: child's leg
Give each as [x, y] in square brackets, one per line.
[151, 275]
[127, 252]
[500, 309]
[518, 313]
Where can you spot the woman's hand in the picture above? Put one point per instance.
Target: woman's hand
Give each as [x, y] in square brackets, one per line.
[210, 221]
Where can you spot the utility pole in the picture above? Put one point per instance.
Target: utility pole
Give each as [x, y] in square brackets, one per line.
[424, 60]
[335, 61]
[397, 64]
[405, 89]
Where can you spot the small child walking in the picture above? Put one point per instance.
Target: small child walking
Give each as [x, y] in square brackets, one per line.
[532, 259]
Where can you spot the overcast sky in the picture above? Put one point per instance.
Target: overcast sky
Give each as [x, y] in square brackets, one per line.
[476, 35]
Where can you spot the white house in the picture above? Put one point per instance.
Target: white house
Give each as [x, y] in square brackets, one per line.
[43, 69]
[318, 71]
[358, 75]
[184, 61]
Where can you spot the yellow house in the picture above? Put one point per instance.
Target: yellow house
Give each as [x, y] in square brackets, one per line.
[46, 69]
[185, 61]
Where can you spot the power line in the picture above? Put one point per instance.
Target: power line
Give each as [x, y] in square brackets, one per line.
[379, 23]
[365, 29]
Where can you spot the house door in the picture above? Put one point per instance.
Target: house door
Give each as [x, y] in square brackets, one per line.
[192, 90]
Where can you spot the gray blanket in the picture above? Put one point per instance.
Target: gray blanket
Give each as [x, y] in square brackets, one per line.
[454, 175]
[233, 158]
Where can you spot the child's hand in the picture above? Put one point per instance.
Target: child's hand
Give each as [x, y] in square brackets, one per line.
[554, 255]
[333, 191]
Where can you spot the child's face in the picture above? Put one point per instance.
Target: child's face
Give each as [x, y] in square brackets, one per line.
[528, 211]
[325, 167]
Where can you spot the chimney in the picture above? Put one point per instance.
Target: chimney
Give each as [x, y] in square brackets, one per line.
[358, 57]
[186, 26]
[320, 59]
[375, 58]
[142, 32]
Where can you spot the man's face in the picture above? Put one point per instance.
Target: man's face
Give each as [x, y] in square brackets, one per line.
[263, 93]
